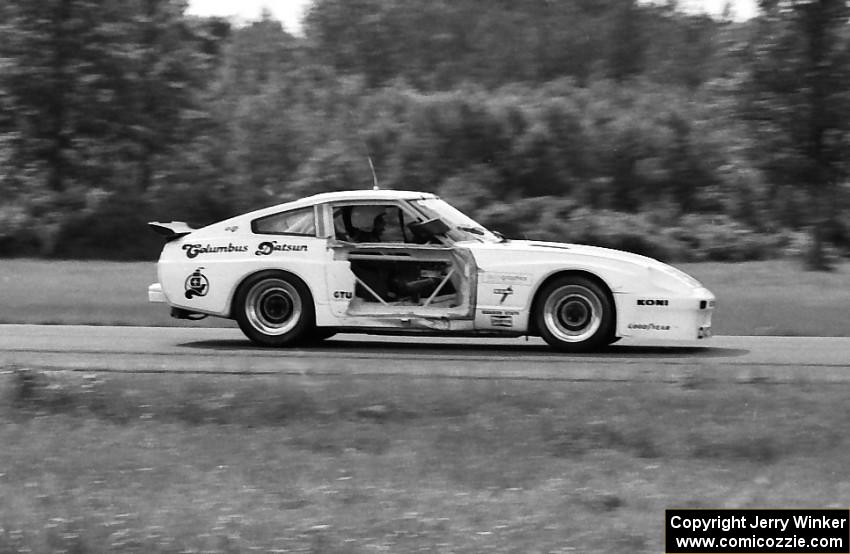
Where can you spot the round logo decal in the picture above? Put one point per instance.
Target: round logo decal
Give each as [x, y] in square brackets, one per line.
[197, 284]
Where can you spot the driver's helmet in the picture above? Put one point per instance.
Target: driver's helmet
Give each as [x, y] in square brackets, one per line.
[363, 217]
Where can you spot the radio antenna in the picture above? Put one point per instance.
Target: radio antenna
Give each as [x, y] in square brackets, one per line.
[375, 185]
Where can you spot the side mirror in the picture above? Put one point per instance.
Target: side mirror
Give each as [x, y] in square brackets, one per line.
[430, 228]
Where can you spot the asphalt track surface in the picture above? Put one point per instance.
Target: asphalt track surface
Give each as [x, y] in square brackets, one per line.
[171, 350]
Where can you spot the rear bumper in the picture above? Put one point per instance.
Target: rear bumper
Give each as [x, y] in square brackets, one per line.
[155, 293]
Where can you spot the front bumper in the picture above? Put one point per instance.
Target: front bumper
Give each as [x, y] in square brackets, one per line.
[155, 293]
[665, 316]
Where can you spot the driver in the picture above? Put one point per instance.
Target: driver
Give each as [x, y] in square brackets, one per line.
[377, 232]
[367, 224]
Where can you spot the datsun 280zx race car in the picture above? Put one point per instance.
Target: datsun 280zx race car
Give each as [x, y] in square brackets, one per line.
[393, 262]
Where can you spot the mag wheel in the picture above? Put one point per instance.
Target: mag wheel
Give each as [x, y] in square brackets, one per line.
[274, 309]
[574, 314]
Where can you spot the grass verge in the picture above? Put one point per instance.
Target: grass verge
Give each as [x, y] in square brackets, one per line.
[83, 293]
[754, 298]
[778, 298]
[137, 463]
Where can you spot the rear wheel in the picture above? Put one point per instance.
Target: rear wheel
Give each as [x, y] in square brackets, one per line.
[274, 309]
[574, 314]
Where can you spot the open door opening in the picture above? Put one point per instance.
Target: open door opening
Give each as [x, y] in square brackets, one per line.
[411, 281]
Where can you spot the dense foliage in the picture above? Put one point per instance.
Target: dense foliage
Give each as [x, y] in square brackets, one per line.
[606, 121]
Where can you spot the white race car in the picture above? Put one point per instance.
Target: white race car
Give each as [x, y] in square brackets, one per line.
[393, 262]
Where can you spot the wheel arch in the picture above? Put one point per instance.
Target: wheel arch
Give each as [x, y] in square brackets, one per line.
[536, 297]
[268, 272]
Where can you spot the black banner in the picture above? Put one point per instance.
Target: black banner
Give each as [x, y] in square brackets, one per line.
[757, 531]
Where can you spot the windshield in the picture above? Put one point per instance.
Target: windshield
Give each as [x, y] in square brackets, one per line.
[462, 226]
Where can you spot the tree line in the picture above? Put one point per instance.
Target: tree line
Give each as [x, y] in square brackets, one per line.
[614, 122]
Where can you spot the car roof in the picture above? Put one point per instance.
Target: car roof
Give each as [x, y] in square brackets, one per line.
[346, 196]
[370, 194]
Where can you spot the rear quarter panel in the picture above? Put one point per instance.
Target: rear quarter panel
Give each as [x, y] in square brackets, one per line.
[202, 271]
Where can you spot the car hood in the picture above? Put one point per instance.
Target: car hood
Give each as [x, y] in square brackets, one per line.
[623, 268]
[544, 248]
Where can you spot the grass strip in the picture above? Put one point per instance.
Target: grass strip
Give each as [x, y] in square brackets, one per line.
[754, 298]
[188, 463]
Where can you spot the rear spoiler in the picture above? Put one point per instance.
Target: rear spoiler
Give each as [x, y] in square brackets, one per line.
[171, 231]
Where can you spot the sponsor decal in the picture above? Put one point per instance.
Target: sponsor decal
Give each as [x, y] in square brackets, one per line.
[266, 248]
[505, 278]
[505, 292]
[232, 228]
[499, 312]
[652, 302]
[501, 321]
[197, 284]
[649, 326]
[343, 295]
[194, 250]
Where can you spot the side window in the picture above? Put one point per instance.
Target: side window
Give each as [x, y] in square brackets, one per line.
[296, 222]
[370, 223]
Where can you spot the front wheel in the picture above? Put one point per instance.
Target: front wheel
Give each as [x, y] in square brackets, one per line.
[574, 314]
[274, 309]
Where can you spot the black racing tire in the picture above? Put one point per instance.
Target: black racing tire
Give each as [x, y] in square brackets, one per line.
[574, 314]
[274, 308]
